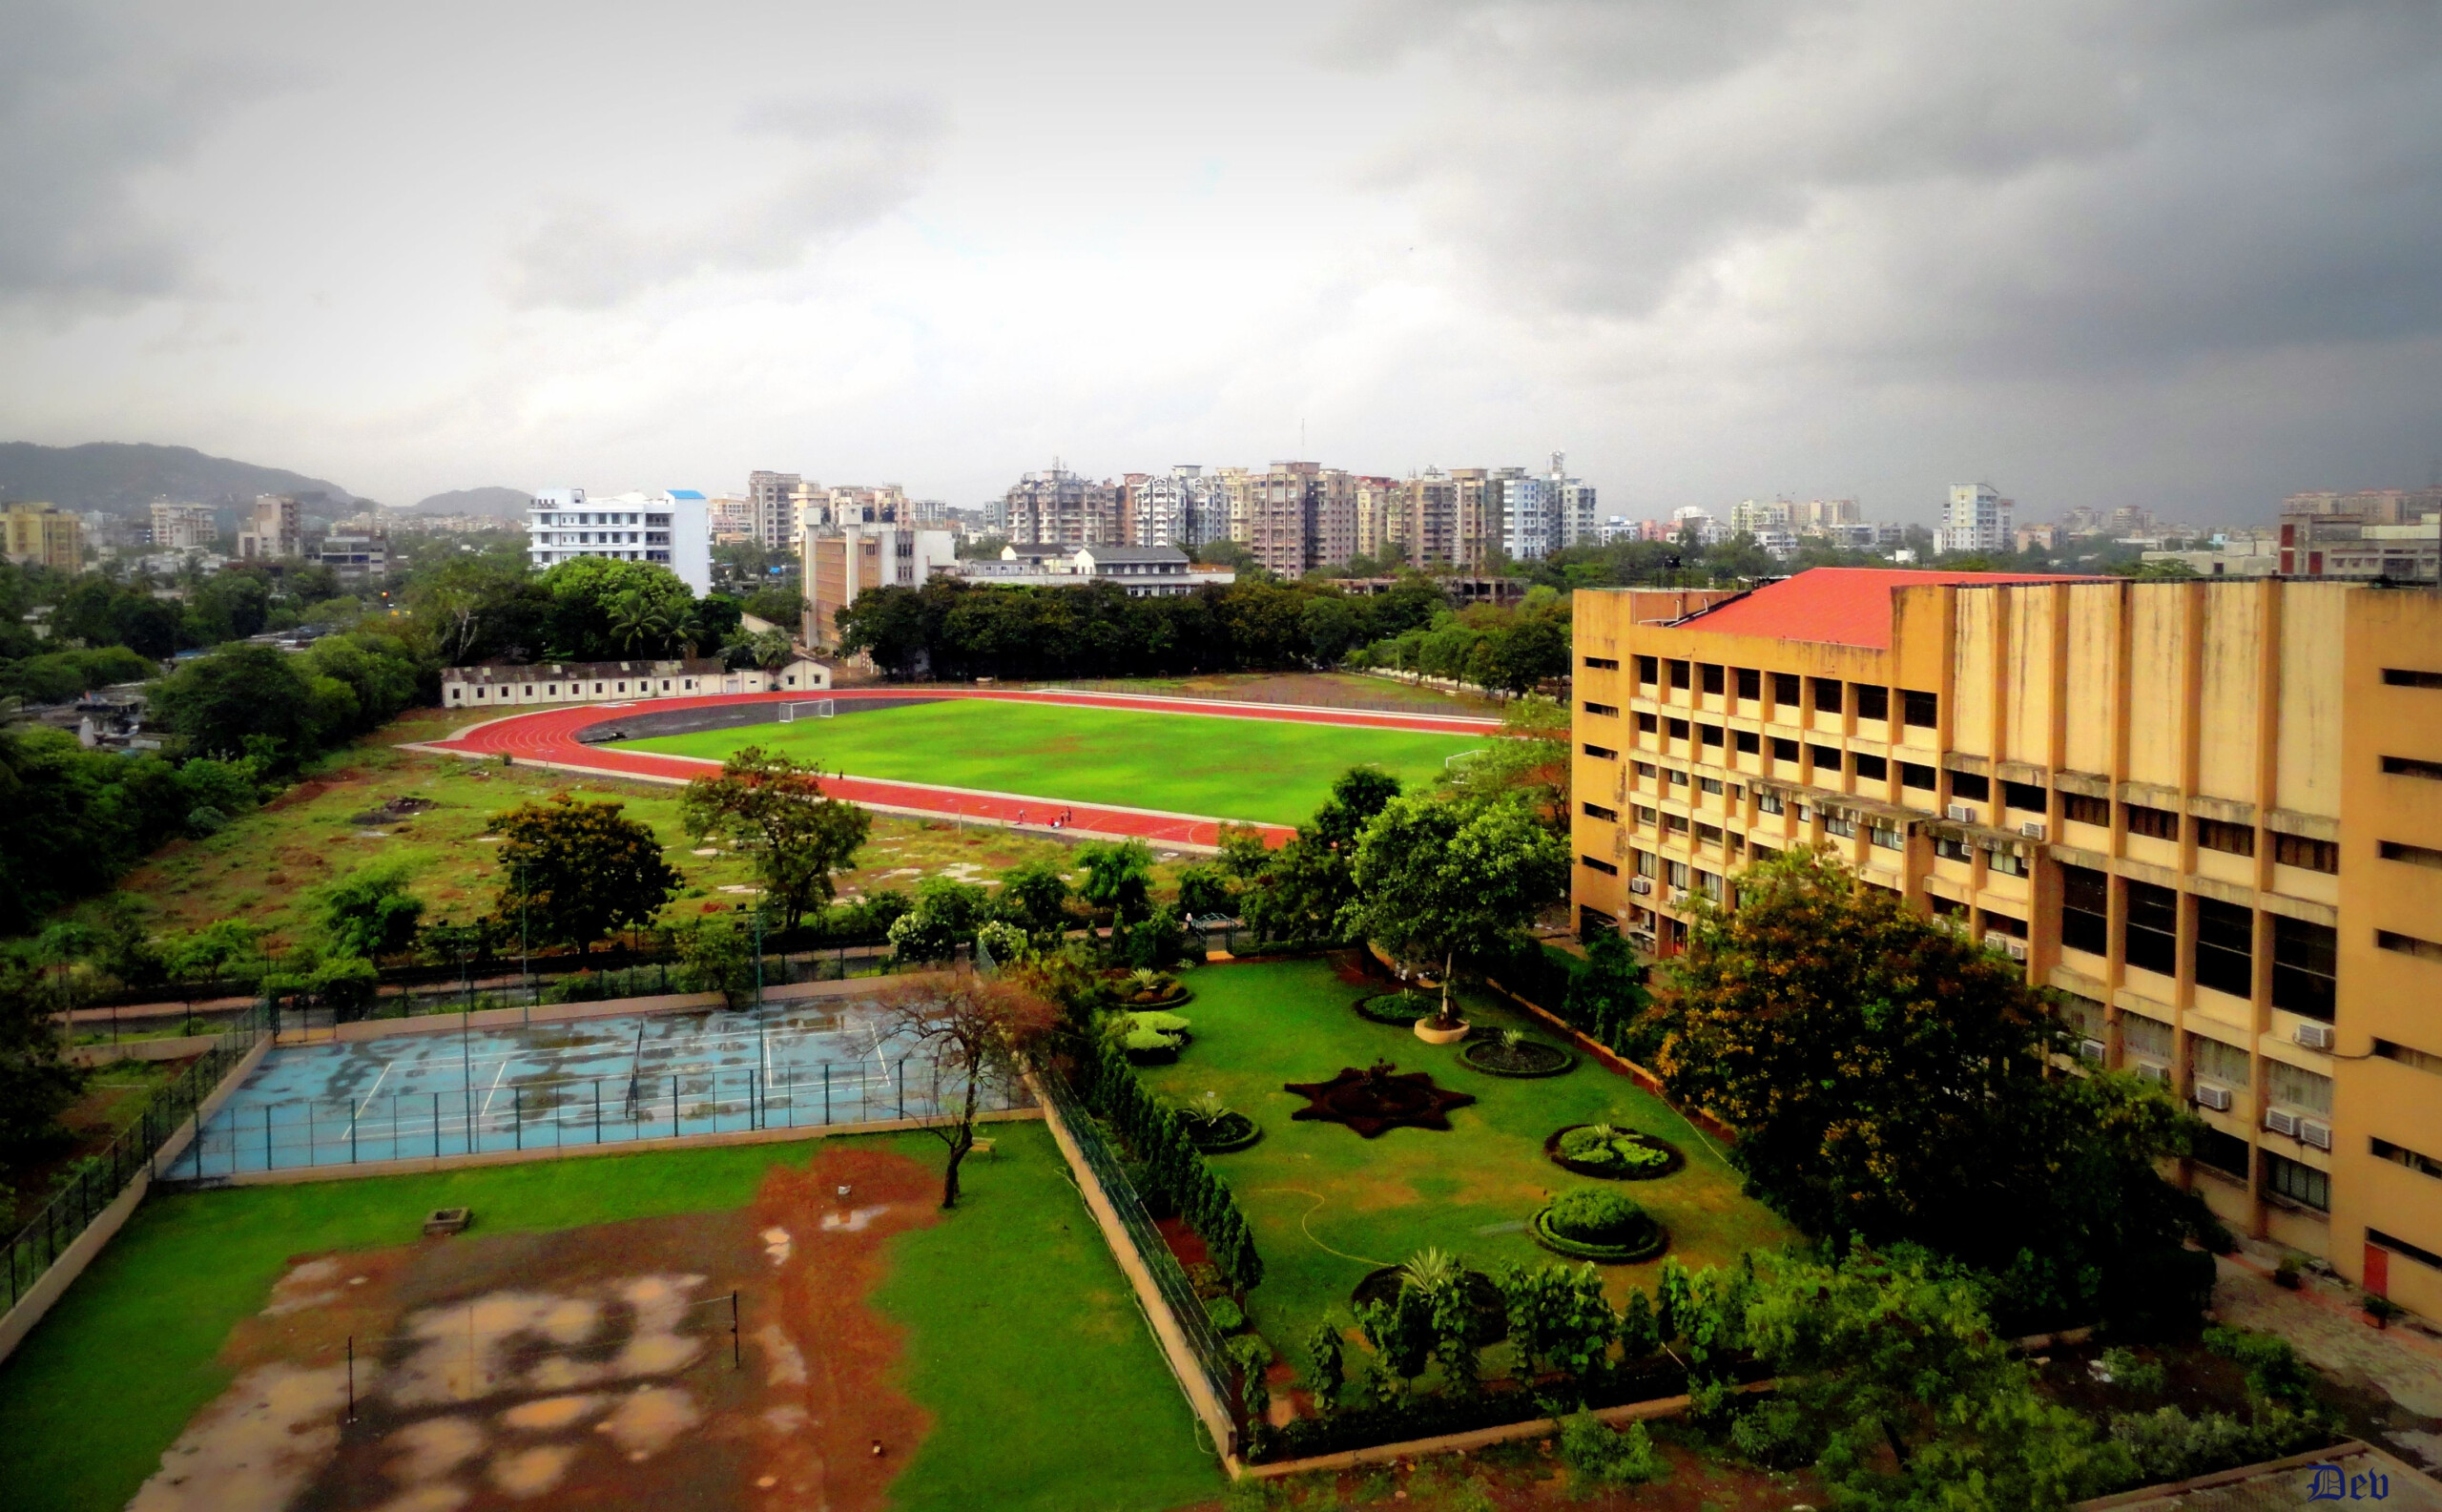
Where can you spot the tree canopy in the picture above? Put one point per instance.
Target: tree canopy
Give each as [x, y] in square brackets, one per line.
[771, 806]
[575, 872]
[1435, 878]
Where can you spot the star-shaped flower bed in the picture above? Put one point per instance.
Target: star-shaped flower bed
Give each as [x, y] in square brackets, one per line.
[1378, 1098]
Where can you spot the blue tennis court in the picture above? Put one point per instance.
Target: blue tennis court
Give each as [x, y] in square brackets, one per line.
[594, 1081]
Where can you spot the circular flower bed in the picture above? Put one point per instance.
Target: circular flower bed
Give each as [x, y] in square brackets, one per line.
[1517, 1056]
[1218, 1136]
[1399, 1008]
[1487, 1311]
[1610, 1153]
[1592, 1224]
[1143, 989]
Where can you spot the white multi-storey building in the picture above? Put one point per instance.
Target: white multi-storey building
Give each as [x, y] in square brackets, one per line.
[183, 526]
[1978, 519]
[771, 500]
[667, 528]
[1569, 503]
[1525, 527]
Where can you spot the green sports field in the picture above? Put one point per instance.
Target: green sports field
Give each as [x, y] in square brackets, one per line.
[1268, 771]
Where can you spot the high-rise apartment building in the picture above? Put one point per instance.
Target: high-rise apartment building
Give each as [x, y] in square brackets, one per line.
[184, 526]
[1977, 519]
[842, 560]
[1058, 508]
[1525, 528]
[771, 501]
[668, 528]
[1380, 515]
[1571, 504]
[1180, 507]
[274, 530]
[730, 518]
[1279, 513]
[39, 535]
[2209, 812]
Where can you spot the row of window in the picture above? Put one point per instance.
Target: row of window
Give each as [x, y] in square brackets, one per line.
[2304, 955]
[1788, 690]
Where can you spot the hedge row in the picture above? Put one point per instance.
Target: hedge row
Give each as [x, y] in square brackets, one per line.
[1176, 1167]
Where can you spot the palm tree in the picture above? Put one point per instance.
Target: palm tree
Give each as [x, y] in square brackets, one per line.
[634, 617]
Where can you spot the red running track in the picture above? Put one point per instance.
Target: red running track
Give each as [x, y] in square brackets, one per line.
[548, 738]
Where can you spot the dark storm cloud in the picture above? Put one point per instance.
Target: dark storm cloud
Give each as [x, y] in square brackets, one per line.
[850, 163]
[2029, 189]
[88, 106]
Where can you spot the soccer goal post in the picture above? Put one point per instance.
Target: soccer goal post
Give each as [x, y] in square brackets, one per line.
[814, 709]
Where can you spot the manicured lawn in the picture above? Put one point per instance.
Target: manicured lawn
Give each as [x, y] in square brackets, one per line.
[1328, 1206]
[1274, 770]
[1046, 1391]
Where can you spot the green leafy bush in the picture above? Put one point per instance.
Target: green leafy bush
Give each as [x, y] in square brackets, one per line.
[1776, 1434]
[1593, 1216]
[1609, 1149]
[1227, 1316]
[2125, 1371]
[1595, 1455]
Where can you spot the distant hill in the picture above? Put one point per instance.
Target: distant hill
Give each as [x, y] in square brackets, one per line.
[124, 478]
[506, 504]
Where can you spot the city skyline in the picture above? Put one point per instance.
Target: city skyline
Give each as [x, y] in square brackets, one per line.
[2088, 256]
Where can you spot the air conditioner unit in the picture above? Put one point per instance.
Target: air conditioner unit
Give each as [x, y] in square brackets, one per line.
[2216, 1098]
[1678, 895]
[2280, 1122]
[2015, 949]
[2314, 1036]
[1640, 885]
[2090, 1051]
[1961, 813]
[2147, 1070]
[2311, 1132]
[2032, 829]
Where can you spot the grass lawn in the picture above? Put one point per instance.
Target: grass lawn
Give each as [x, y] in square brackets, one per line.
[1328, 1206]
[263, 866]
[1274, 771]
[1023, 1342]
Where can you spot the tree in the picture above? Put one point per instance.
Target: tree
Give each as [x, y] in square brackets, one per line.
[1035, 895]
[238, 700]
[1435, 878]
[970, 1029]
[371, 914]
[944, 917]
[36, 1082]
[1894, 1353]
[1119, 875]
[1304, 886]
[1889, 1078]
[636, 620]
[576, 870]
[771, 806]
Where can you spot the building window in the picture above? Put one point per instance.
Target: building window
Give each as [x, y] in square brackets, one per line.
[1675, 729]
[2408, 944]
[1784, 749]
[1602, 752]
[1679, 676]
[2150, 937]
[1648, 724]
[2217, 1062]
[1646, 770]
[1648, 670]
[1954, 850]
[1676, 779]
[2225, 948]
[2314, 855]
[1827, 758]
[1914, 776]
[1785, 689]
[1827, 696]
[1747, 742]
[1750, 684]
[1677, 873]
[1606, 711]
[2411, 767]
[1841, 825]
[1604, 867]
[2009, 863]
[1709, 675]
[2148, 1037]
[2161, 824]
[1708, 734]
[2005, 925]
[2022, 796]
[2230, 839]
[2400, 677]
[1708, 835]
[1713, 785]
[2296, 1087]
[1872, 702]
[1596, 811]
[1768, 803]
[1648, 863]
[2305, 959]
[1644, 816]
[2084, 809]
[1970, 787]
[1872, 768]
[2412, 855]
[2402, 1155]
[1602, 663]
[1922, 709]
[2297, 1180]
[2418, 1060]
[2225, 1153]
[2401, 1247]
[1761, 852]
[1888, 837]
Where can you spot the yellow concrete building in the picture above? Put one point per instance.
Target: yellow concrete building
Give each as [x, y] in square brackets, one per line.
[38, 536]
[2209, 813]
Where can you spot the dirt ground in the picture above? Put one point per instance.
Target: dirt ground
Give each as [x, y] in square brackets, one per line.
[593, 1367]
[1528, 1475]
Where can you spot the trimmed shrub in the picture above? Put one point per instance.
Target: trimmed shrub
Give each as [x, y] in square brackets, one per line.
[1595, 1455]
[1226, 1317]
[1592, 1215]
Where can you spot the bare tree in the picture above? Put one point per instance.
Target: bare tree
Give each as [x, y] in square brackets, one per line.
[970, 1028]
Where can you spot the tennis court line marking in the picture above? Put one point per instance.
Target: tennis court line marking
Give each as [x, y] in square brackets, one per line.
[495, 1091]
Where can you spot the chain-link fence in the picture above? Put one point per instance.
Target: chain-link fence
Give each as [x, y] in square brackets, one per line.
[99, 1180]
[558, 1113]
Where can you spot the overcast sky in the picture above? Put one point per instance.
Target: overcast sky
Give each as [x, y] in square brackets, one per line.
[2180, 253]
